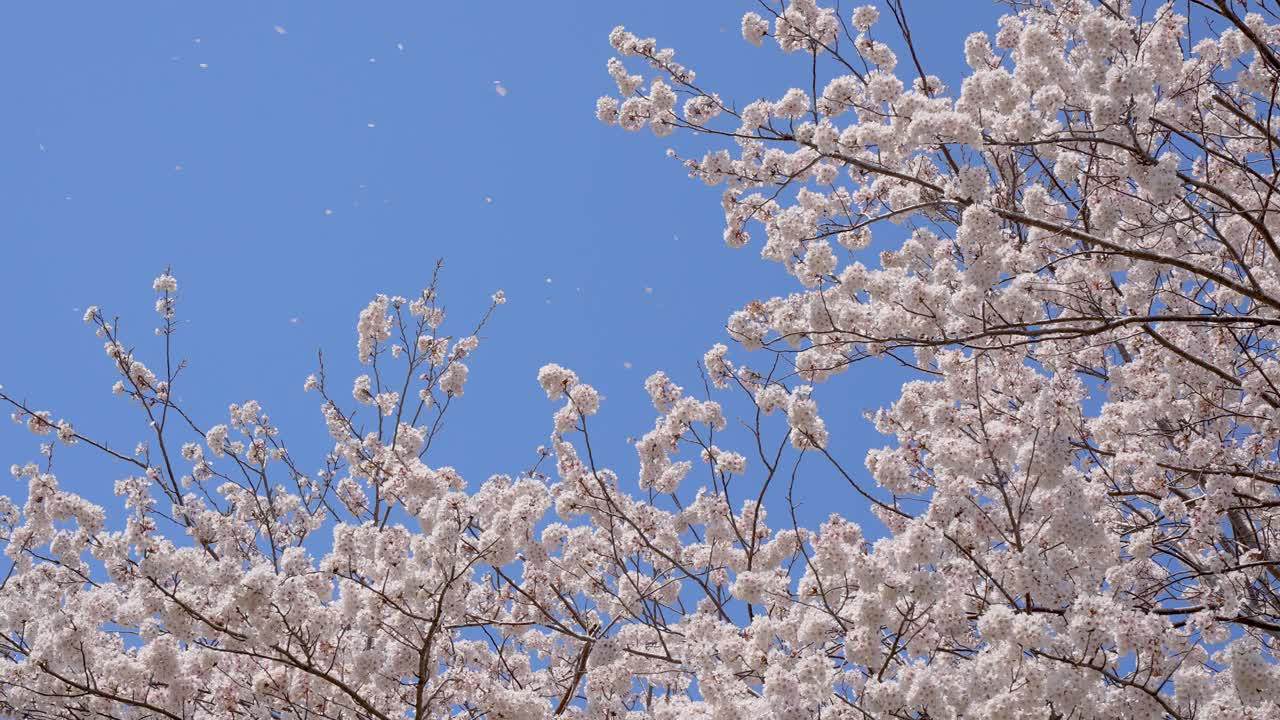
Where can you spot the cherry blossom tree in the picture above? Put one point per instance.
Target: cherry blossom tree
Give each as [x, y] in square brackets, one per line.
[1075, 255]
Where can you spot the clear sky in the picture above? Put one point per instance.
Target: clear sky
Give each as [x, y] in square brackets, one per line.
[292, 159]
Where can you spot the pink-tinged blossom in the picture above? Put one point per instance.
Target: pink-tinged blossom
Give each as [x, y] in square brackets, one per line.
[165, 283]
[864, 17]
[555, 380]
[374, 327]
[754, 28]
[454, 378]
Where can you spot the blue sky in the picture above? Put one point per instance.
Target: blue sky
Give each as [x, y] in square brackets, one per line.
[292, 159]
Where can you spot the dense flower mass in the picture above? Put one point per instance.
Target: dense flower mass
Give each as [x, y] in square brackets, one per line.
[1079, 502]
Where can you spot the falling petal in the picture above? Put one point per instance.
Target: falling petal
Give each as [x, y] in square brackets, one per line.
[280, 30]
[499, 88]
